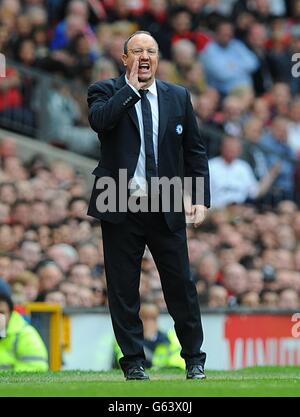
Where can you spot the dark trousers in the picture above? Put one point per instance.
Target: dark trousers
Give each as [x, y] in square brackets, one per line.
[124, 246]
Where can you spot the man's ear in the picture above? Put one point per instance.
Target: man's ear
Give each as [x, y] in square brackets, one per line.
[124, 59]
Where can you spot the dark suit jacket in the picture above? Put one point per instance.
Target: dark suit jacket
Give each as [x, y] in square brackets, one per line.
[112, 115]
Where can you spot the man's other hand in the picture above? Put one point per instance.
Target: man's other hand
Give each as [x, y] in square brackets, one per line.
[198, 213]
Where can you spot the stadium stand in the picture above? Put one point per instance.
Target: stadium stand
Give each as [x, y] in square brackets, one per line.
[235, 57]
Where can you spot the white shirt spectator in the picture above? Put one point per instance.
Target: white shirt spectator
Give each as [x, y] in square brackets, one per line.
[231, 182]
[294, 137]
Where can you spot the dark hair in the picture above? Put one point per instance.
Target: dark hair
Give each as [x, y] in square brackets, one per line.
[75, 199]
[222, 22]
[138, 32]
[44, 263]
[8, 184]
[5, 298]
[19, 202]
[175, 10]
[265, 291]
[269, 273]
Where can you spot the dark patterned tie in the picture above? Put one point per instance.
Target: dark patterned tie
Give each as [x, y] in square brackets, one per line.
[151, 170]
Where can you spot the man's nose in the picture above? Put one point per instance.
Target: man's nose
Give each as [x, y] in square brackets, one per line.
[145, 54]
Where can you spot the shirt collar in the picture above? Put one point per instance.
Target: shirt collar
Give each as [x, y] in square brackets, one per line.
[152, 88]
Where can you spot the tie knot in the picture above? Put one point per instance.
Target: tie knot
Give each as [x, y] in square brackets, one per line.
[143, 93]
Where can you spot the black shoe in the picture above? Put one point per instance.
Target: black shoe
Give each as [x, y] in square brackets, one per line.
[136, 373]
[195, 372]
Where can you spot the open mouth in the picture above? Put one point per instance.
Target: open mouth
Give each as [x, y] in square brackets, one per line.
[144, 67]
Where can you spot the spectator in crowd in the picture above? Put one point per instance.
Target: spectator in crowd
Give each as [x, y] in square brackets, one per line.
[269, 298]
[10, 94]
[70, 291]
[293, 135]
[217, 297]
[288, 299]
[261, 9]
[249, 299]
[8, 193]
[78, 207]
[232, 179]
[262, 111]
[252, 152]
[210, 129]
[30, 251]
[39, 213]
[277, 150]
[91, 256]
[279, 99]
[5, 267]
[189, 70]
[50, 276]
[103, 69]
[22, 349]
[86, 297]
[255, 280]
[207, 272]
[76, 22]
[80, 274]
[26, 284]
[56, 297]
[232, 109]
[238, 62]
[65, 256]
[63, 114]
[235, 282]
[256, 41]
[99, 293]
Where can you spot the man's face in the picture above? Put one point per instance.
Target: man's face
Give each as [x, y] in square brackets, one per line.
[224, 34]
[4, 309]
[5, 265]
[231, 150]
[142, 48]
[280, 130]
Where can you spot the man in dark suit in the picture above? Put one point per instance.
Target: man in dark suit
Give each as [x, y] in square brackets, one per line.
[146, 127]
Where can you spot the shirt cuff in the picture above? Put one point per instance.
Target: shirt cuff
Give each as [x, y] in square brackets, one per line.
[134, 89]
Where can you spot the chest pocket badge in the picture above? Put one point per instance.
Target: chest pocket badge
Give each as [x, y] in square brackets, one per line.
[179, 129]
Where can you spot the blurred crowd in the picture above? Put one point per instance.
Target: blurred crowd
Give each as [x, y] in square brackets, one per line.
[236, 58]
[51, 251]
[49, 248]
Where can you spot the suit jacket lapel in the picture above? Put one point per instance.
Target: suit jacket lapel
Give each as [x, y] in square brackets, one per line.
[164, 107]
[131, 111]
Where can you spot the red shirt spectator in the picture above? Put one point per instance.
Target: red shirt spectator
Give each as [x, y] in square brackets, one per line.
[10, 95]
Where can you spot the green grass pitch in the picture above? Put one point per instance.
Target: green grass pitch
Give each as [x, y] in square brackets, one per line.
[258, 381]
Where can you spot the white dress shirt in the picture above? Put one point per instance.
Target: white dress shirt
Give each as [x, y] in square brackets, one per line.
[294, 138]
[139, 178]
[231, 183]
